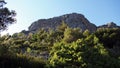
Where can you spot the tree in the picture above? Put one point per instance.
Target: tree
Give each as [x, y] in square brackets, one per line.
[86, 33]
[81, 55]
[6, 16]
[62, 27]
[71, 34]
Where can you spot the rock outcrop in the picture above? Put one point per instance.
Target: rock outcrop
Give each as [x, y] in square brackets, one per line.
[73, 20]
[109, 25]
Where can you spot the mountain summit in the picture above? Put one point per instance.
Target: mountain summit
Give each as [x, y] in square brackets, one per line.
[73, 20]
[109, 25]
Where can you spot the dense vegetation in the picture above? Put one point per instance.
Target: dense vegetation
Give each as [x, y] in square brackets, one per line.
[64, 48]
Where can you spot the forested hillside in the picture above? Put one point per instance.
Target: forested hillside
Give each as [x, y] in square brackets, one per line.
[67, 41]
[64, 48]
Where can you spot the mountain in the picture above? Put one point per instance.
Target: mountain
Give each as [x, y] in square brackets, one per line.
[109, 25]
[73, 20]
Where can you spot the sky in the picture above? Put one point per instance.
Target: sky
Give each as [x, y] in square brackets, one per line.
[98, 12]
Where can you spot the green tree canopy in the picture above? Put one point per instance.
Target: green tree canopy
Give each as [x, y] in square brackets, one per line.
[6, 16]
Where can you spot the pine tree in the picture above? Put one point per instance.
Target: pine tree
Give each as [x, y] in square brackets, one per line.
[6, 16]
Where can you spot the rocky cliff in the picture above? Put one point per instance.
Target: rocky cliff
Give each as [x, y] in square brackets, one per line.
[109, 25]
[73, 20]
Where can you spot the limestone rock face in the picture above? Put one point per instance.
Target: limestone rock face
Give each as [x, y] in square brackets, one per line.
[109, 25]
[73, 20]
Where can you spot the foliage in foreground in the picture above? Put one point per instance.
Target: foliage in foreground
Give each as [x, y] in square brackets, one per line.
[81, 55]
[6, 16]
[64, 48]
[20, 61]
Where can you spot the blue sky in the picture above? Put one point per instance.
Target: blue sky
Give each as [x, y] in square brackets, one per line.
[96, 11]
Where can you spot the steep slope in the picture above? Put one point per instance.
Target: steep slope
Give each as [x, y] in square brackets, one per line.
[73, 20]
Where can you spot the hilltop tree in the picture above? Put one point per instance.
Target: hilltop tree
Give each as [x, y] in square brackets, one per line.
[6, 16]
